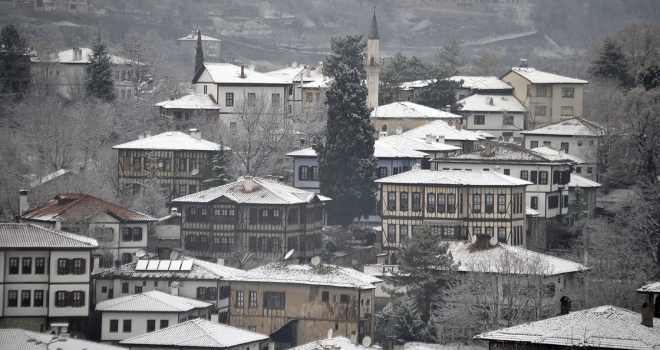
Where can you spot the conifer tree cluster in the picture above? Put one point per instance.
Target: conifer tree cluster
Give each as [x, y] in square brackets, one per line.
[99, 82]
[199, 52]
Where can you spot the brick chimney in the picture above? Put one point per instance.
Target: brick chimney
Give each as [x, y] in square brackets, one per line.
[23, 201]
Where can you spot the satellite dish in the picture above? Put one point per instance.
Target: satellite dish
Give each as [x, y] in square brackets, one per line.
[366, 342]
[288, 254]
[399, 130]
[294, 64]
[493, 240]
[174, 255]
[329, 333]
[194, 172]
[316, 261]
[473, 239]
[252, 67]
[511, 139]
[140, 253]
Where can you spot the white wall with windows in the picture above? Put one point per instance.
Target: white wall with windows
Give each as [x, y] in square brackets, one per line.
[116, 326]
[507, 124]
[582, 147]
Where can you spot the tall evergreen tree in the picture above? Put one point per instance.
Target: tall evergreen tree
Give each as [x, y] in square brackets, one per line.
[14, 61]
[199, 52]
[348, 51]
[347, 166]
[450, 57]
[218, 174]
[99, 82]
[649, 77]
[611, 64]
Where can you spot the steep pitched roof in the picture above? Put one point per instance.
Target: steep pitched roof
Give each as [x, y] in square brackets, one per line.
[538, 77]
[170, 140]
[373, 33]
[195, 101]
[323, 275]
[410, 110]
[295, 74]
[383, 148]
[66, 57]
[16, 338]
[197, 333]
[37, 237]
[570, 127]
[601, 327]
[417, 144]
[263, 192]
[153, 301]
[453, 177]
[492, 103]
[441, 128]
[71, 207]
[482, 83]
[227, 73]
[650, 288]
[200, 270]
[193, 37]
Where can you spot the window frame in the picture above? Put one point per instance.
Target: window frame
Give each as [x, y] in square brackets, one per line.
[40, 266]
[391, 201]
[240, 299]
[113, 326]
[274, 300]
[14, 268]
[501, 203]
[229, 99]
[479, 119]
[476, 203]
[543, 177]
[403, 201]
[489, 207]
[252, 302]
[127, 326]
[568, 92]
[451, 203]
[430, 202]
[27, 266]
[416, 201]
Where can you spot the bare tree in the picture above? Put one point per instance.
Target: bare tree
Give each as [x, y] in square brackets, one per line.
[489, 63]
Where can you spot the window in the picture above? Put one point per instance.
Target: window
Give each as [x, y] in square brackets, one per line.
[343, 298]
[164, 324]
[273, 300]
[476, 203]
[62, 266]
[448, 232]
[275, 100]
[451, 203]
[212, 293]
[567, 92]
[137, 162]
[38, 298]
[314, 174]
[416, 201]
[325, 297]
[124, 287]
[533, 144]
[403, 233]
[229, 99]
[114, 326]
[541, 91]
[507, 171]
[540, 111]
[524, 174]
[566, 111]
[126, 258]
[309, 97]
[578, 170]
[534, 203]
[441, 202]
[127, 234]
[253, 300]
[391, 233]
[501, 203]
[251, 98]
[553, 202]
[479, 119]
[137, 234]
[78, 266]
[490, 205]
[13, 266]
[507, 120]
[12, 298]
[403, 201]
[239, 298]
[182, 190]
[391, 201]
[532, 176]
[430, 202]
[464, 233]
[547, 143]
[39, 266]
[26, 298]
[201, 293]
[591, 142]
[382, 172]
[590, 170]
[489, 231]
[78, 299]
[501, 234]
[564, 146]
[151, 325]
[476, 230]
[303, 173]
[138, 289]
[27, 266]
[183, 164]
[543, 177]
[127, 326]
[60, 299]
[579, 143]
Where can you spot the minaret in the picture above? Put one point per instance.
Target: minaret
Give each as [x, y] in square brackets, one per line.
[372, 64]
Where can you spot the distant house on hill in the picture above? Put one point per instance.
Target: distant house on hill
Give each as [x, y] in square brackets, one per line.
[210, 46]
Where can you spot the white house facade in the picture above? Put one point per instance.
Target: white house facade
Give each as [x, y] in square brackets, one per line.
[499, 115]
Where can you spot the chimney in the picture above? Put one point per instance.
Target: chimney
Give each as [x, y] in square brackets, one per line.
[307, 73]
[561, 152]
[196, 134]
[353, 338]
[463, 126]
[172, 96]
[647, 314]
[174, 288]
[79, 54]
[382, 134]
[140, 136]
[523, 63]
[488, 150]
[440, 139]
[174, 211]
[23, 201]
[565, 307]
[147, 134]
[490, 101]
[381, 259]
[117, 271]
[248, 183]
[221, 261]
[448, 109]
[319, 68]
[178, 95]
[457, 125]
[496, 169]
[271, 344]
[74, 54]
[483, 241]
[429, 138]
[242, 71]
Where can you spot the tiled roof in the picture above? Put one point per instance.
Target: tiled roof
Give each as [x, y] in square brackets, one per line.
[294, 75]
[170, 140]
[410, 110]
[340, 343]
[72, 207]
[539, 77]
[384, 148]
[482, 83]
[502, 258]
[453, 177]
[547, 151]
[66, 57]
[380, 270]
[307, 152]
[263, 192]
[570, 127]
[579, 181]
[441, 128]
[227, 73]
[604, 327]
[650, 288]
[323, 275]
[153, 301]
[432, 346]
[195, 101]
[410, 85]
[506, 152]
[193, 37]
[15, 338]
[197, 333]
[531, 212]
[33, 236]
[492, 103]
[201, 270]
[318, 84]
[417, 144]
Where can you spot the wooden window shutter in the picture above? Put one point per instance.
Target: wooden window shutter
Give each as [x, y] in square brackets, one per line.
[82, 298]
[82, 266]
[126, 166]
[69, 298]
[68, 266]
[202, 164]
[555, 177]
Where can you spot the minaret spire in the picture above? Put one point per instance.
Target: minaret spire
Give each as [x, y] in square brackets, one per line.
[373, 34]
[373, 63]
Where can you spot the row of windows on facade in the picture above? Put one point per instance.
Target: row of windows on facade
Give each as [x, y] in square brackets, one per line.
[543, 91]
[308, 173]
[457, 233]
[164, 164]
[382, 171]
[255, 244]
[182, 190]
[542, 111]
[553, 202]
[442, 203]
[36, 299]
[251, 98]
[256, 216]
[127, 325]
[562, 145]
[64, 266]
[480, 119]
[276, 300]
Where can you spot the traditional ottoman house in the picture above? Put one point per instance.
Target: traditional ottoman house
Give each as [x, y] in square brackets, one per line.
[480, 85]
[210, 46]
[499, 115]
[177, 111]
[468, 141]
[402, 116]
[297, 76]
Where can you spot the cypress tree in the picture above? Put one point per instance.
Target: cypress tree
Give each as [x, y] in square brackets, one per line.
[99, 82]
[347, 166]
[199, 52]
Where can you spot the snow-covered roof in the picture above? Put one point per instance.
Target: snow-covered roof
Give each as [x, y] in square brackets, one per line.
[16, 338]
[570, 127]
[484, 134]
[153, 301]
[52, 176]
[323, 275]
[380, 270]
[547, 151]
[531, 212]
[383, 149]
[200, 270]
[482, 83]
[538, 77]
[453, 177]
[318, 84]
[193, 37]
[432, 346]
[410, 85]
[170, 140]
[294, 74]
[492, 103]
[417, 144]
[307, 152]
[410, 110]
[17, 236]
[227, 73]
[441, 128]
[66, 57]
[263, 192]
[195, 101]
[604, 327]
[579, 181]
[650, 288]
[503, 258]
[197, 333]
[73, 207]
[338, 343]
[507, 153]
